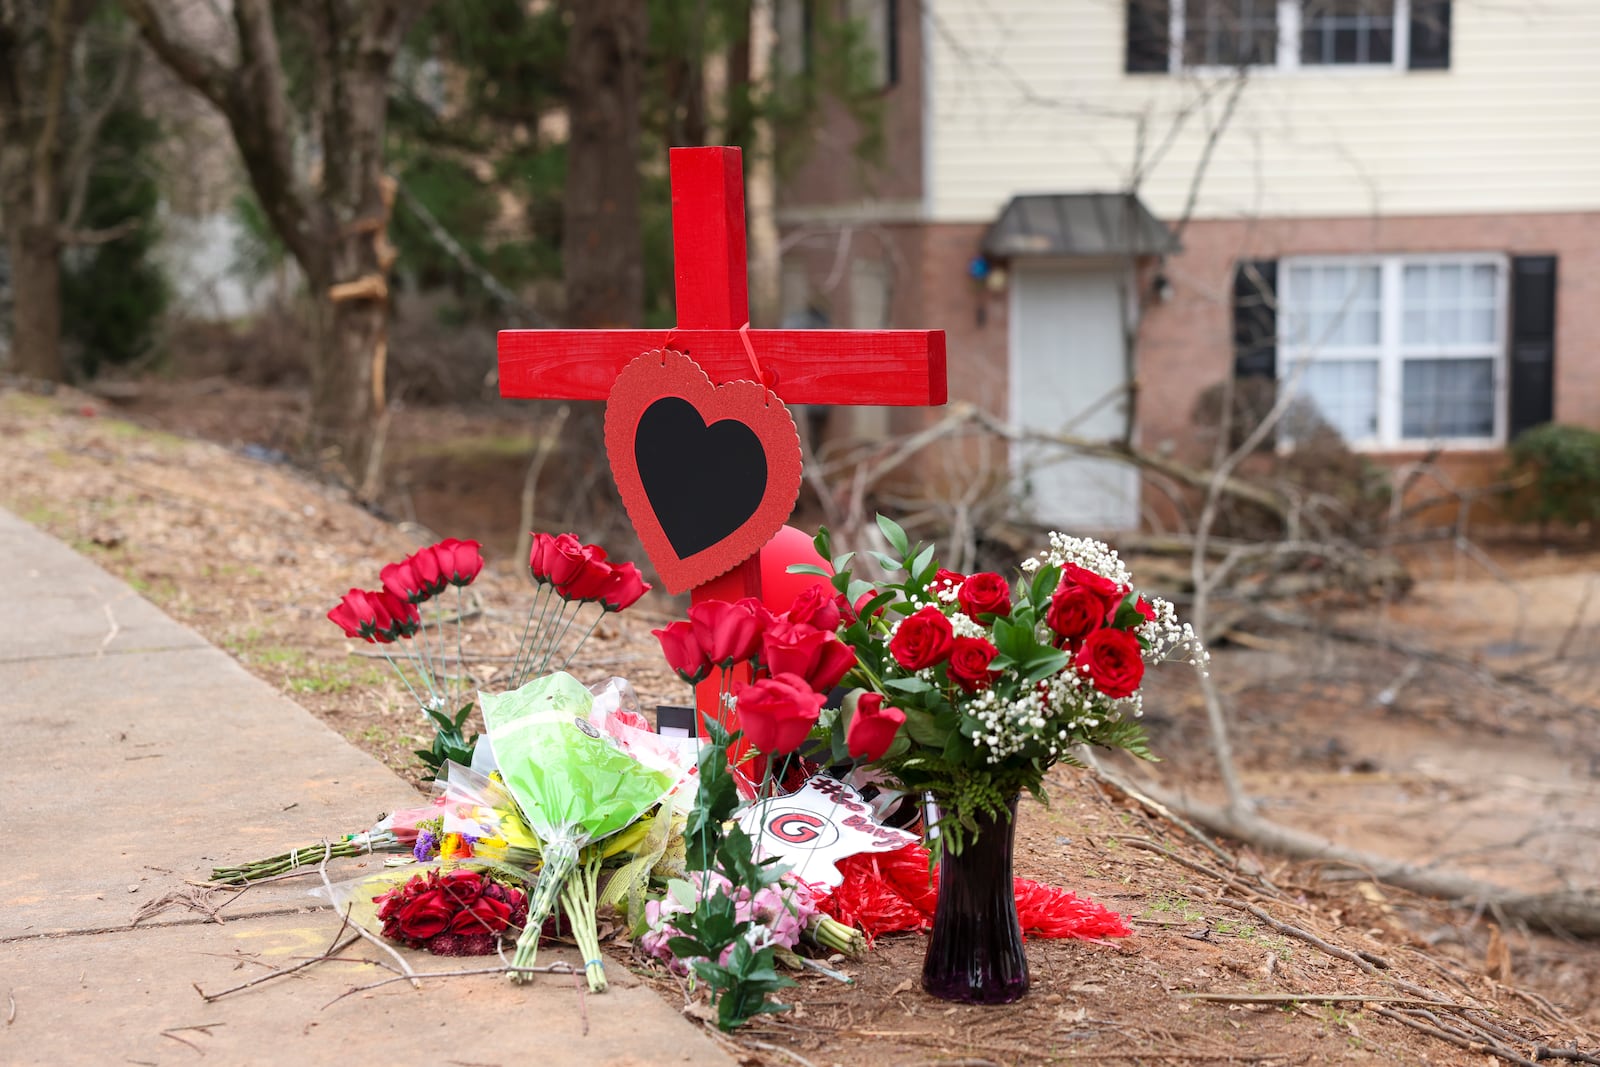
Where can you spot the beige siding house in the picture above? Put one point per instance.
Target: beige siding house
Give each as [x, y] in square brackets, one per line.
[1390, 206]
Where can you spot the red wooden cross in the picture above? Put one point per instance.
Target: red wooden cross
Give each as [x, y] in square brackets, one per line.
[843, 367]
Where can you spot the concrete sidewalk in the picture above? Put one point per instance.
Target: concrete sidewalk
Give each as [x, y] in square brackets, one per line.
[137, 756]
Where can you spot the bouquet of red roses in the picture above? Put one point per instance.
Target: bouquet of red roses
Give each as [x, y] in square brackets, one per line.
[996, 683]
[460, 912]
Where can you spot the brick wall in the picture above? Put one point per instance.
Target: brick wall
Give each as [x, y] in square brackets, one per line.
[1186, 343]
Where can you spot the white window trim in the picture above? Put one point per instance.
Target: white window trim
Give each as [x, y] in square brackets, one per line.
[1391, 353]
[1287, 60]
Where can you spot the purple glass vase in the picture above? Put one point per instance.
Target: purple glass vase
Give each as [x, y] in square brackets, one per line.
[975, 952]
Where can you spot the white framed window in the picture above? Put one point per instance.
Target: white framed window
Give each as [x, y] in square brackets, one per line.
[1396, 351]
[1289, 34]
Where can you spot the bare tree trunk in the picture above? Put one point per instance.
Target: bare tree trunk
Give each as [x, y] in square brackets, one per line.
[761, 177]
[36, 304]
[602, 248]
[336, 229]
[35, 50]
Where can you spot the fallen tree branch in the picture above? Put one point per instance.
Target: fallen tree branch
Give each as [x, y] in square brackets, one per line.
[1574, 912]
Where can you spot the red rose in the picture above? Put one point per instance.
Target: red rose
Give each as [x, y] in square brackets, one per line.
[872, 727]
[850, 614]
[375, 615]
[1113, 661]
[1075, 612]
[815, 655]
[541, 555]
[623, 588]
[946, 579]
[1100, 586]
[1145, 609]
[777, 713]
[566, 559]
[403, 619]
[816, 606]
[425, 916]
[483, 916]
[985, 593]
[462, 886]
[922, 640]
[401, 580]
[459, 561]
[585, 576]
[683, 652]
[729, 632]
[969, 663]
[415, 578]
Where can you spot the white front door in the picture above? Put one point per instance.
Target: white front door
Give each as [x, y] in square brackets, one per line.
[1069, 375]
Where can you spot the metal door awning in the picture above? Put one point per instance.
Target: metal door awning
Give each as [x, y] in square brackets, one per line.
[1077, 224]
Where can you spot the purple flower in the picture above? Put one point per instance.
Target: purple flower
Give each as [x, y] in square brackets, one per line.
[427, 846]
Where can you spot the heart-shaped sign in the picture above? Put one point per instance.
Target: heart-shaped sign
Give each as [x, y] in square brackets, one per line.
[708, 473]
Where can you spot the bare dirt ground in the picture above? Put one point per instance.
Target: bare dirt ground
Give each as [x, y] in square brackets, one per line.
[1461, 728]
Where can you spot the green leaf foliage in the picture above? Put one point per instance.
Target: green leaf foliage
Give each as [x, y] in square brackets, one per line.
[1565, 464]
[449, 742]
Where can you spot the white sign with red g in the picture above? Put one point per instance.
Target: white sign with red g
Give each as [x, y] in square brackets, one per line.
[817, 825]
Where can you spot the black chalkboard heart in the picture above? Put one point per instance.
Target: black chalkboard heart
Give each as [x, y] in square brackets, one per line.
[708, 473]
[703, 482]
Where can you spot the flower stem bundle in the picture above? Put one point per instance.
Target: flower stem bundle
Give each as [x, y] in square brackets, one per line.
[569, 574]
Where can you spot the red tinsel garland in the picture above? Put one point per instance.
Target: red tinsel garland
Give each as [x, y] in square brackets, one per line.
[887, 892]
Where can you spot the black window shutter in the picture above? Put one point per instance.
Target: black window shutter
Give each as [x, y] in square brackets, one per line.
[1149, 36]
[1255, 319]
[1533, 341]
[1430, 35]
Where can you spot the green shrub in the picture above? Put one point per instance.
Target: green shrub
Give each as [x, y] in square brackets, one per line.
[1565, 461]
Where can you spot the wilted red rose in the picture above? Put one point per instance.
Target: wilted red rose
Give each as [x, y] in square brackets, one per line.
[1075, 612]
[1113, 661]
[459, 561]
[985, 593]
[623, 588]
[969, 663]
[815, 655]
[777, 713]
[923, 639]
[426, 915]
[483, 916]
[816, 606]
[729, 632]
[684, 653]
[872, 727]
[462, 886]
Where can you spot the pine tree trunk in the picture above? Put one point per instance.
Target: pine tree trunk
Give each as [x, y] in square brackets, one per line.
[602, 247]
[36, 302]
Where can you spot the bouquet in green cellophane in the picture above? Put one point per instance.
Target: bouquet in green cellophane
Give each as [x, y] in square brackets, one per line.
[575, 788]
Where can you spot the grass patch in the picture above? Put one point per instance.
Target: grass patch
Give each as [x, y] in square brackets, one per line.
[1170, 904]
[489, 446]
[27, 404]
[328, 678]
[1247, 931]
